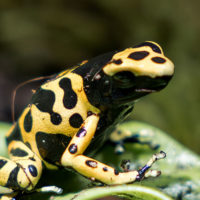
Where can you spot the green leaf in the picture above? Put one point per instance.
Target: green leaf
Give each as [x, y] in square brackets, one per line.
[179, 179]
[4, 127]
[126, 191]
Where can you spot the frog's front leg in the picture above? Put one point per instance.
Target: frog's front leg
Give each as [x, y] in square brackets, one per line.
[93, 169]
[22, 171]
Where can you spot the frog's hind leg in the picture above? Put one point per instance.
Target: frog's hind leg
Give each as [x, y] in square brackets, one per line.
[23, 170]
[120, 136]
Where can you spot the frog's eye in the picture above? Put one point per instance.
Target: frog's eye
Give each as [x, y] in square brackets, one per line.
[124, 79]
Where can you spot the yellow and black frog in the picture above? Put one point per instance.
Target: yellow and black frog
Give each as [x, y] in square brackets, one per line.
[71, 115]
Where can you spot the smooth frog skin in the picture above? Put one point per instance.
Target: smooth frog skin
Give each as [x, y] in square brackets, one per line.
[75, 112]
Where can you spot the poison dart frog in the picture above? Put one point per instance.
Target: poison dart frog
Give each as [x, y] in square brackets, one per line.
[72, 114]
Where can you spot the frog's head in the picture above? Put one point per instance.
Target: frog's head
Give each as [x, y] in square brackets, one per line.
[138, 71]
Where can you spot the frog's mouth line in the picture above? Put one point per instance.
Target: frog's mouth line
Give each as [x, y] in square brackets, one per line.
[145, 90]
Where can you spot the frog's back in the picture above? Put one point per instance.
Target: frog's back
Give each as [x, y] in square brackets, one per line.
[56, 111]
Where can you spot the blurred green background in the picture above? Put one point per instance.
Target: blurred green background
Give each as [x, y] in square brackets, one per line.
[43, 37]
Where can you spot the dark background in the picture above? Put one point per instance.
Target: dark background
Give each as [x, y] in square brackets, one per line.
[43, 37]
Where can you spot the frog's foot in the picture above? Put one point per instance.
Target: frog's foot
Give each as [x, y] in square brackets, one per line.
[143, 137]
[145, 172]
[120, 149]
[11, 196]
[125, 165]
[50, 188]
[16, 195]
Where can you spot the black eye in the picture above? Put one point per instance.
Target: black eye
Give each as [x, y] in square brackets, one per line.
[124, 79]
[124, 75]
